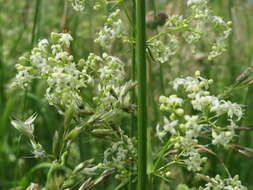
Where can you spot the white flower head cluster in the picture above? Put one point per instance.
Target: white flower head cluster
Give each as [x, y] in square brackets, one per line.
[202, 16]
[194, 161]
[112, 30]
[218, 183]
[78, 5]
[52, 62]
[120, 156]
[199, 24]
[192, 94]
[163, 51]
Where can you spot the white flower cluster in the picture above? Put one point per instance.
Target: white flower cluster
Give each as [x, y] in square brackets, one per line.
[163, 51]
[51, 61]
[194, 161]
[66, 79]
[193, 95]
[78, 5]
[112, 30]
[121, 155]
[201, 100]
[199, 24]
[202, 16]
[218, 183]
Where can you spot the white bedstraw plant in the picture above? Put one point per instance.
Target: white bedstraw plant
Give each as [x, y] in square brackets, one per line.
[91, 93]
[199, 24]
[192, 114]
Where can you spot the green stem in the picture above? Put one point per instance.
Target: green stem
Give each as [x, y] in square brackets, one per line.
[2, 74]
[142, 93]
[34, 37]
[35, 22]
[133, 78]
[133, 71]
[126, 13]
[171, 29]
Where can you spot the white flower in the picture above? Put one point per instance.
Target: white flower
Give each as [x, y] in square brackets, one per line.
[161, 51]
[112, 30]
[222, 138]
[37, 60]
[56, 48]
[78, 5]
[43, 44]
[61, 55]
[194, 161]
[224, 184]
[191, 121]
[169, 103]
[177, 83]
[192, 127]
[188, 143]
[169, 126]
[232, 109]
[173, 100]
[23, 77]
[202, 102]
[160, 133]
[65, 38]
[218, 20]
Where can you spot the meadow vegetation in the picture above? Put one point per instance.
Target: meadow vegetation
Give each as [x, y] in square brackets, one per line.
[116, 94]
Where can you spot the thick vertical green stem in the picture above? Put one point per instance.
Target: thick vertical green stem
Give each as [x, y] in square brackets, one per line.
[142, 93]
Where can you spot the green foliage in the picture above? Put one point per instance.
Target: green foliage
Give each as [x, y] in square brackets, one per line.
[68, 109]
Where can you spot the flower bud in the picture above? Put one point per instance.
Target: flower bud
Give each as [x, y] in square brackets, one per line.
[172, 116]
[55, 36]
[180, 112]
[197, 74]
[210, 81]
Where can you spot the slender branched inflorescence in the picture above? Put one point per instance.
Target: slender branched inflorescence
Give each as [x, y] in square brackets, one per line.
[186, 129]
[198, 24]
[93, 94]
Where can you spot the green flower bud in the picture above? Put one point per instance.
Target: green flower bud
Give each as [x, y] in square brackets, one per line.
[23, 60]
[202, 84]
[172, 117]
[180, 112]
[210, 81]
[73, 133]
[55, 36]
[197, 74]
[102, 132]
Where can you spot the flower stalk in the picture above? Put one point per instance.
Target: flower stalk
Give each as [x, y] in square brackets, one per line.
[142, 93]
